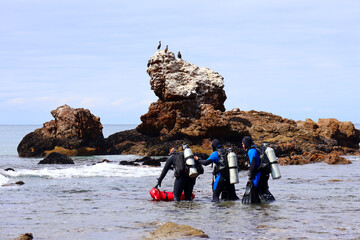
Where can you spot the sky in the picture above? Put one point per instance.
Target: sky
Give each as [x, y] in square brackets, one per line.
[296, 59]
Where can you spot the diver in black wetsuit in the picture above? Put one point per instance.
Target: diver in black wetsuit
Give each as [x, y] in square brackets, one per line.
[182, 182]
[221, 184]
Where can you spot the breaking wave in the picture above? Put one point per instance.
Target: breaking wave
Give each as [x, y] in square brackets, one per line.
[3, 179]
[97, 170]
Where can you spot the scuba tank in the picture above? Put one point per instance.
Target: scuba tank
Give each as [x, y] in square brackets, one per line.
[233, 167]
[190, 162]
[275, 171]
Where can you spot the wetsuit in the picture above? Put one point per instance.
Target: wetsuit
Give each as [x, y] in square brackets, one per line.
[259, 179]
[221, 183]
[182, 183]
[254, 158]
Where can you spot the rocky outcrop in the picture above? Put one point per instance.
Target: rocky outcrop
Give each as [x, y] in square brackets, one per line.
[171, 230]
[190, 110]
[75, 131]
[334, 158]
[184, 92]
[56, 158]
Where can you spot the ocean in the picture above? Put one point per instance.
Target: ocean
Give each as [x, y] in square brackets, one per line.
[92, 200]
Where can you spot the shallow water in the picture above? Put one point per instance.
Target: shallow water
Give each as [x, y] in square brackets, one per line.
[109, 201]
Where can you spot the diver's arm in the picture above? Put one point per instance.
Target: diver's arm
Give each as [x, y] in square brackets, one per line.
[168, 164]
[213, 158]
[253, 168]
[205, 162]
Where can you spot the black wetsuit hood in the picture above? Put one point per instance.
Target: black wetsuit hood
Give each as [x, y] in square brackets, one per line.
[248, 142]
[215, 144]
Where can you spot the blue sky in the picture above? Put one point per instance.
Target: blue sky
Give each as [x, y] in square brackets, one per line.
[296, 59]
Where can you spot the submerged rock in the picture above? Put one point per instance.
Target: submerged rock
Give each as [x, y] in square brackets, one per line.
[13, 184]
[336, 159]
[25, 236]
[9, 169]
[56, 158]
[171, 230]
[128, 163]
[75, 131]
[152, 162]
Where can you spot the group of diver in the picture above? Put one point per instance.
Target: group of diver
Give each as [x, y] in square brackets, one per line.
[223, 183]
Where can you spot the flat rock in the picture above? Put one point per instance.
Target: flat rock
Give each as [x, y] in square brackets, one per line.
[171, 230]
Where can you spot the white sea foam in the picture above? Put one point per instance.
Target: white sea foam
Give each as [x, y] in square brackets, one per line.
[3, 179]
[97, 170]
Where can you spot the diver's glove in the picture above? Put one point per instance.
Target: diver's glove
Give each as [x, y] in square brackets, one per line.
[158, 183]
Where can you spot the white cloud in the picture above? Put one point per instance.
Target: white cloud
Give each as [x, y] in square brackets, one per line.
[92, 102]
[15, 101]
[146, 102]
[118, 102]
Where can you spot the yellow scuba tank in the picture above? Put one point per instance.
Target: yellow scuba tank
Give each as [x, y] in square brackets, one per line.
[275, 171]
[233, 167]
[190, 162]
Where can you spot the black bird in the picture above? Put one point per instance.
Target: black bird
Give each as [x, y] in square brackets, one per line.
[179, 55]
[166, 48]
[159, 46]
[148, 65]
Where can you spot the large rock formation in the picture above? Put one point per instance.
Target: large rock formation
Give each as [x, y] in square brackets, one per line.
[73, 132]
[185, 91]
[190, 109]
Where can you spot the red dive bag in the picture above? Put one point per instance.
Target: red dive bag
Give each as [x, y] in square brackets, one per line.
[158, 195]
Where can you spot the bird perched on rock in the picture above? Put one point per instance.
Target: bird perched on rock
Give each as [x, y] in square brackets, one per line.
[159, 46]
[166, 48]
[148, 64]
[179, 55]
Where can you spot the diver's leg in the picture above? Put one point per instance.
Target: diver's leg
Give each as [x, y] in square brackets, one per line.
[218, 188]
[177, 189]
[188, 188]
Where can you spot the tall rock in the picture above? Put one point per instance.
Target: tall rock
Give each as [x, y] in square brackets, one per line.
[185, 91]
[191, 108]
[75, 131]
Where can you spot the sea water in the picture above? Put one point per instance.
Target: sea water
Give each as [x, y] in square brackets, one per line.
[92, 200]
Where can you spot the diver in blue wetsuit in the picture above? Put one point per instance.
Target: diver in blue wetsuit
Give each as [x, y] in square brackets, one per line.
[221, 183]
[251, 194]
[254, 158]
[258, 180]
